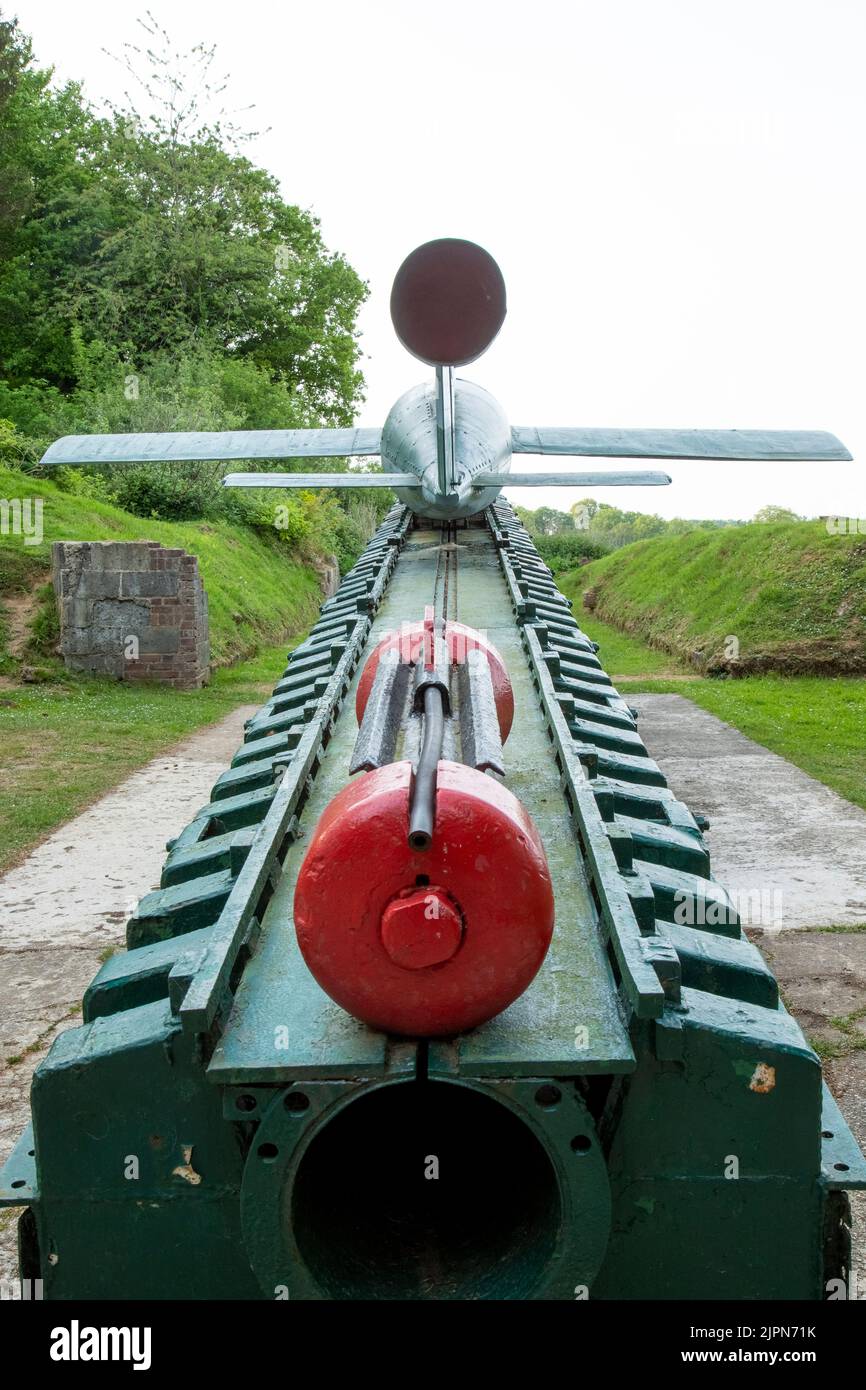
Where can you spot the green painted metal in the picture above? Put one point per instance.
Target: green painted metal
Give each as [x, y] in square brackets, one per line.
[562, 1245]
[647, 1121]
[19, 1185]
[140, 975]
[574, 988]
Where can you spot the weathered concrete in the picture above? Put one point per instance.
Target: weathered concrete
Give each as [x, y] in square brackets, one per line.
[773, 829]
[68, 903]
[132, 609]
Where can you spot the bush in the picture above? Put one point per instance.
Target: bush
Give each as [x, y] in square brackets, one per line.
[569, 549]
[16, 449]
[84, 482]
[315, 523]
[167, 492]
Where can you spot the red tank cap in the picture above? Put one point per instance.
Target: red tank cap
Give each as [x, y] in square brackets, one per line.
[421, 928]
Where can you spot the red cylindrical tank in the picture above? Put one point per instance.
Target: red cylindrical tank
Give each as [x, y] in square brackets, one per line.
[461, 639]
[424, 943]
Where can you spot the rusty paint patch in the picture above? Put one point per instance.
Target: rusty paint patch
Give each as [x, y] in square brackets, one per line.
[763, 1079]
[185, 1170]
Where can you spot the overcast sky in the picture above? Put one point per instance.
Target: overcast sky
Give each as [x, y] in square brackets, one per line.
[674, 190]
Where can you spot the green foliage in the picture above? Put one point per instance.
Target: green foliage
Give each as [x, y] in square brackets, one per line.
[84, 482]
[545, 521]
[165, 492]
[20, 568]
[149, 235]
[616, 528]
[568, 549]
[313, 523]
[605, 527]
[153, 279]
[47, 139]
[16, 449]
[45, 627]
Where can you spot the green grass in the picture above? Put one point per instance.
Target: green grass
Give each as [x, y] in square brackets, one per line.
[622, 655]
[68, 740]
[817, 722]
[65, 745]
[792, 594]
[849, 1038]
[257, 593]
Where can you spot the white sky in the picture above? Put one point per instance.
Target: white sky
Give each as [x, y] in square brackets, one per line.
[674, 190]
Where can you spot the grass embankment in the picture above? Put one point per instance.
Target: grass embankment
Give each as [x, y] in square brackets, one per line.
[817, 722]
[70, 738]
[256, 593]
[791, 594]
[64, 745]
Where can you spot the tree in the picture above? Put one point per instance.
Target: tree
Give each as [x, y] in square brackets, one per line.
[773, 513]
[604, 527]
[152, 233]
[550, 522]
[44, 137]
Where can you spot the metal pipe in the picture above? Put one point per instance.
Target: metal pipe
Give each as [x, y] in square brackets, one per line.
[422, 803]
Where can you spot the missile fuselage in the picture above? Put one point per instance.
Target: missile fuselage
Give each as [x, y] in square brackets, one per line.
[478, 441]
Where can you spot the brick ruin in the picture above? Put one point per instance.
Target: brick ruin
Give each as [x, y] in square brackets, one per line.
[136, 610]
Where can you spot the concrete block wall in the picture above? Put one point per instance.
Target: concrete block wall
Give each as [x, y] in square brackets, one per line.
[136, 610]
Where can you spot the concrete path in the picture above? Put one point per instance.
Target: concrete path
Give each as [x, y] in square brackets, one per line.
[70, 900]
[773, 829]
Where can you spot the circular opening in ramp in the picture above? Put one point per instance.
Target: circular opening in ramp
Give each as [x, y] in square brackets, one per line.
[426, 1190]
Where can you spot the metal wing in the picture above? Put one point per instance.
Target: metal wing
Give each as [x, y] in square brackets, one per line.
[204, 445]
[310, 480]
[612, 478]
[680, 444]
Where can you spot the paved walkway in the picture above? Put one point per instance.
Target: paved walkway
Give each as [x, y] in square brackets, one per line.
[773, 829]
